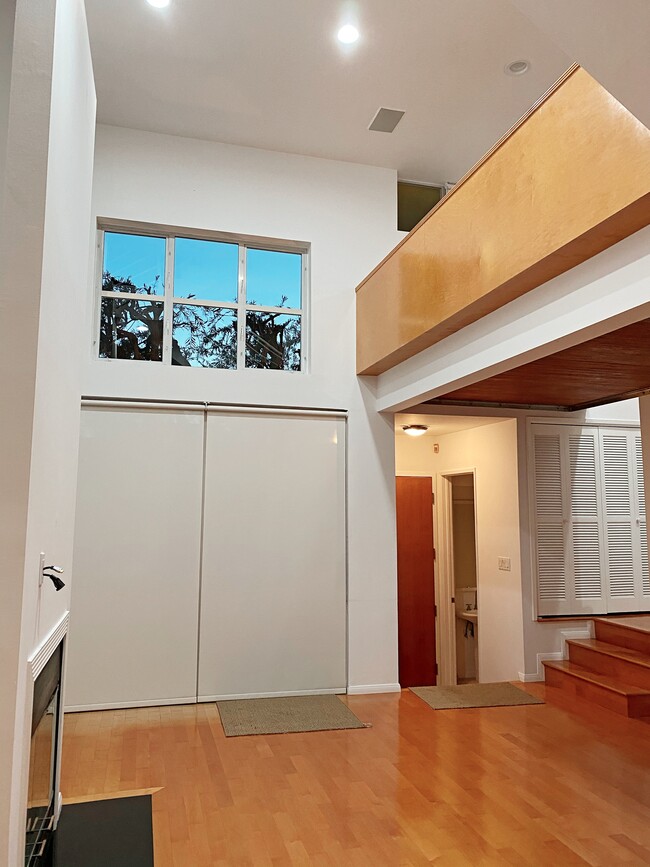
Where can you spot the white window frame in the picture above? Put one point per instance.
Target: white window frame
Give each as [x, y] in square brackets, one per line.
[244, 242]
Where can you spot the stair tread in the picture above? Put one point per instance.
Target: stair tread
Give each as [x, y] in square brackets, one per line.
[610, 683]
[638, 623]
[625, 653]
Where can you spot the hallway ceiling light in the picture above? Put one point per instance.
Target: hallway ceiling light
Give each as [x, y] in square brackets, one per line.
[348, 34]
[517, 67]
[415, 430]
[158, 4]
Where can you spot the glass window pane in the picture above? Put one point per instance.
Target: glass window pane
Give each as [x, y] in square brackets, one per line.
[207, 270]
[133, 263]
[204, 336]
[272, 341]
[273, 279]
[131, 329]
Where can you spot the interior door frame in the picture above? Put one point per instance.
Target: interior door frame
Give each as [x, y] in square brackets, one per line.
[443, 528]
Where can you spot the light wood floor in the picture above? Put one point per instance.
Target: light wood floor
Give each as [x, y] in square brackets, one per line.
[539, 785]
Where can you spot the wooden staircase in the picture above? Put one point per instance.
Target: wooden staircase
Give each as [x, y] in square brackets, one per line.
[611, 670]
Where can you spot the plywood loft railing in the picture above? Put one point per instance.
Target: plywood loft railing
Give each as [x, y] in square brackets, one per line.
[569, 180]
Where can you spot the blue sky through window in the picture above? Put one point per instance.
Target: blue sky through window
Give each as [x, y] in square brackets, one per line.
[138, 257]
[208, 270]
[270, 275]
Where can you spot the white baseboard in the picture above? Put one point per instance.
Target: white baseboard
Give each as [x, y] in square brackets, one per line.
[234, 696]
[373, 688]
[586, 631]
[580, 632]
[118, 705]
[537, 676]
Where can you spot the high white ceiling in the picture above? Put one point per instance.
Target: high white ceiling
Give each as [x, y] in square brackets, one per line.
[271, 74]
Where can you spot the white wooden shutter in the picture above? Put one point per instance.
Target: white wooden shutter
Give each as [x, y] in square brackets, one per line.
[584, 520]
[549, 526]
[643, 527]
[624, 509]
[568, 537]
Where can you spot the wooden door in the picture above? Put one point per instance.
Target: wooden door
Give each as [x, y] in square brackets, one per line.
[415, 582]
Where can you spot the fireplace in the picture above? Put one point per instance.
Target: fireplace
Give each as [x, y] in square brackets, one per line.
[44, 759]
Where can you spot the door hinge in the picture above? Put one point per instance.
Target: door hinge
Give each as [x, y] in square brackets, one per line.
[434, 553]
[435, 610]
[436, 668]
[433, 499]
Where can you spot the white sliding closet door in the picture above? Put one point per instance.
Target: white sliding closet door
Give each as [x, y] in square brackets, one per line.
[273, 597]
[134, 620]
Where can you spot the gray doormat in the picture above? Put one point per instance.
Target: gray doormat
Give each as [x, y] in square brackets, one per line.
[275, 716]
[474, 695]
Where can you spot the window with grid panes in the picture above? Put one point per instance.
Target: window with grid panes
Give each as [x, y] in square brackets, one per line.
[202, 301]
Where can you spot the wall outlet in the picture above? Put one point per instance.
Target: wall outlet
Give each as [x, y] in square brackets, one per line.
[436, 448]
[41, 567]
[504, 564]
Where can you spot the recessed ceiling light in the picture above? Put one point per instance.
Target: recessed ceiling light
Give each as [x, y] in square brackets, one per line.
[415, 430]
[517, 67]
[158, 4]
[348, 34]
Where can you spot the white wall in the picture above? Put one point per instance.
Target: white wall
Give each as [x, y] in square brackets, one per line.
[7, 12]
[492, 451]
[43, 267]
[347, 212]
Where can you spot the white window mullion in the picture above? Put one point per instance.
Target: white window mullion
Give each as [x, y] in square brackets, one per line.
[241, 310]
[305, 318]
[99, 275]
[168, 314]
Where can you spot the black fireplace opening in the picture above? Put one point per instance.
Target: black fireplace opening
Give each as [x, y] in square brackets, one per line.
[43, 762]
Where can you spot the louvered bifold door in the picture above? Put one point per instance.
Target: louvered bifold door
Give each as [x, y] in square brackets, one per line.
[584, 530]
[624, 521]
[643, 527]
[549, 520]
[569, 550]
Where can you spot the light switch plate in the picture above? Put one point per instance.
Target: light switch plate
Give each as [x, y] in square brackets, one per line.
[504, 564]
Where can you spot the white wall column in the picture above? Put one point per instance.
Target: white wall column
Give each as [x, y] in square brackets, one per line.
[44, 231]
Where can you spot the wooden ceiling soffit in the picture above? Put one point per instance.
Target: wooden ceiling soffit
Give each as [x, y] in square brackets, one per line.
[608, 368]
[569, 180]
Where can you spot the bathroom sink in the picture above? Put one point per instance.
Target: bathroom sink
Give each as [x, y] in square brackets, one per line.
[472, 616]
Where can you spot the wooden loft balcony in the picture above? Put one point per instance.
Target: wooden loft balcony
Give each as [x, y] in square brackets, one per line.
[569, 180]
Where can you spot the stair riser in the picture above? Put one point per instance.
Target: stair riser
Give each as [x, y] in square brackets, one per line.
[624, 637]
[582, 690]
[619, 669]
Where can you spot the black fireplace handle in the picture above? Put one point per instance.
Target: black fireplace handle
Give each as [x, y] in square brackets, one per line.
[58, 584]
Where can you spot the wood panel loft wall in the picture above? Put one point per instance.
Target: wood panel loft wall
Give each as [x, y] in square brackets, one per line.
[537, 205]
[246, 597]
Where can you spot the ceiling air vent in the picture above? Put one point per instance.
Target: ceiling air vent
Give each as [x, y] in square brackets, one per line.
[386, 120]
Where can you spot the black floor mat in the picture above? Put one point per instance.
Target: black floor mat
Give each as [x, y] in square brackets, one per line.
[107, 833]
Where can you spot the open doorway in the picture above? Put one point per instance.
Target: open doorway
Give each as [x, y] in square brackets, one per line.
[465, 576]
[471, 467]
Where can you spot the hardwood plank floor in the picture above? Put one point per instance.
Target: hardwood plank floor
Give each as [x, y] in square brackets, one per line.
[532, 785]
